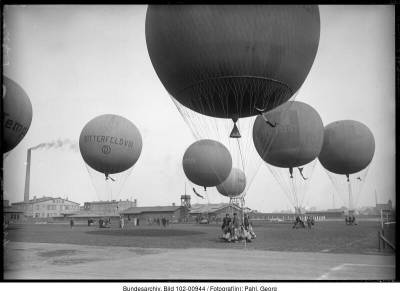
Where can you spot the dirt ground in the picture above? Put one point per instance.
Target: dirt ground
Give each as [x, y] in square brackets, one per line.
[330, 251]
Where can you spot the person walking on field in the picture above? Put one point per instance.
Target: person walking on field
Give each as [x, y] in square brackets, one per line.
[71, 223]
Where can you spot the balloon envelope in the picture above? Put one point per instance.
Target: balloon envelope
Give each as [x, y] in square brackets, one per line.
[295, 141]
[207, 163]
[348, 147]
[224, 60]
[17, 110]
[110, 143]
[234, 185]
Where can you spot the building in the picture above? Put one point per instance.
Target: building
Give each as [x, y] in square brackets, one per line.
[109, 207]
[384, 207]
[11, 214]
[326, 214]
[212, 212]
[149, 215]
[287, 216]
[272, 216]
[46, 207]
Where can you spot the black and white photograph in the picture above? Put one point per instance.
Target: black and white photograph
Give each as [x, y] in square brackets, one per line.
[200, 143]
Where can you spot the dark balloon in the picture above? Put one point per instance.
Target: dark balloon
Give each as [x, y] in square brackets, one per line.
[348, 147]
[224, 60]
[207, 163]
[234, 185]
[17, 110]
[110, 143]
[297, 138]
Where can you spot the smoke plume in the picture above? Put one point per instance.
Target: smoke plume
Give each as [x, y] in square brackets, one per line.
[60, 143]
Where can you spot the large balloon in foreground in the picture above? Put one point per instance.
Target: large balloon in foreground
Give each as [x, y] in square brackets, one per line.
[110, 144]
[348, 147]
[234, 185]
[17, 110]
[225, 60]
[207, 163]
[297, 138]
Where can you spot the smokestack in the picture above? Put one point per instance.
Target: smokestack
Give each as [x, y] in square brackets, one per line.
[28, 176]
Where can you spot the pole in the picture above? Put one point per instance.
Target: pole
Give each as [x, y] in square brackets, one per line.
[242, 202]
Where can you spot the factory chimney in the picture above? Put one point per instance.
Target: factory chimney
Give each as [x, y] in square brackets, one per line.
[28, 176]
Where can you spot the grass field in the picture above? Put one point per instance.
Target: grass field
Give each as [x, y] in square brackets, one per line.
[330, 237]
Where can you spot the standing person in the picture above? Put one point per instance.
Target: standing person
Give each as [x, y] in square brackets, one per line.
[225, 222]
[246, 222]
[71, 223]
[309, 222]
[137, 221]
[122, 222]
[226, 233]
[235, 226]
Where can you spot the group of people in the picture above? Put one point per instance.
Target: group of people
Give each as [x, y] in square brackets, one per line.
[299, 223]
[233, 230]
[162, 221]
[350, 220]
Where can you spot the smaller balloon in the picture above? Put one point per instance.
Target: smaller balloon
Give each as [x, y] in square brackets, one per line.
[207, 163]
[234, 185]
[348, 147]
[295, 139]
[17, 110]
[110, 144]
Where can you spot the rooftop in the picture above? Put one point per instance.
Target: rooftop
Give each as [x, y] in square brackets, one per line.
[201, 208]
[138, 210]
[43, 199]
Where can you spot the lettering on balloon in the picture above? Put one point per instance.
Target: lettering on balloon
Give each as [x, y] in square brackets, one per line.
[14, 125]
[109, 140]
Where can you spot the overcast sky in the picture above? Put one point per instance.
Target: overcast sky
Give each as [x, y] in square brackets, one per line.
[77, 62]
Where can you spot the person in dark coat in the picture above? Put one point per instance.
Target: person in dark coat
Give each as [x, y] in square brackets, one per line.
[246, 222]
[226, 222]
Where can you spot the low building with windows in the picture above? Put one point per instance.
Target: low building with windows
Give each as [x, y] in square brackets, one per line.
[212, 213]
[383, 207]
[108, 207]
[11, 214]
[282, 216]
[150, 214]
[45, 207]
